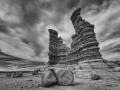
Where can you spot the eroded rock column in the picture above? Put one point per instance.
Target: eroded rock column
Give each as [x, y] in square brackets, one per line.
[57, 50]
[84, 40]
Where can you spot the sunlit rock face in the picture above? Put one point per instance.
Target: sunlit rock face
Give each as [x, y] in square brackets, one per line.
[84, 45]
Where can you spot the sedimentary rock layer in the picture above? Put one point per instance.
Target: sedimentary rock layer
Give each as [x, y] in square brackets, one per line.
[57, 50]
[84, 39]
[84, 44]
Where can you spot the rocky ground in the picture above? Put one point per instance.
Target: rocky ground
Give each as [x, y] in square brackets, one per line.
[110, 81]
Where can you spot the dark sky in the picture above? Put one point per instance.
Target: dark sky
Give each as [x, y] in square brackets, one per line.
[25, 24]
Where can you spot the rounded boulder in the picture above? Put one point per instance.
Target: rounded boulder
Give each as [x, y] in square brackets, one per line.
[48, 78]
[64, 76]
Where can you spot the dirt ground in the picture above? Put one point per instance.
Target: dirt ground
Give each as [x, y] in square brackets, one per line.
[110, 81]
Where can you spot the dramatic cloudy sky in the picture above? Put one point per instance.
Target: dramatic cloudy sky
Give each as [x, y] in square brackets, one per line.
[24, 27]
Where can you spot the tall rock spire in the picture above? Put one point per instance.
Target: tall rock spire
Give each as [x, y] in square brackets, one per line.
[84, 39]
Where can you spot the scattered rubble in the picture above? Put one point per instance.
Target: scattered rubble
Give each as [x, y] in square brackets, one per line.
[14, 74]
[8, 74]
[17, 74]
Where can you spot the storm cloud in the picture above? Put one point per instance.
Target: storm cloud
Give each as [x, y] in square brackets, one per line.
[24, 25]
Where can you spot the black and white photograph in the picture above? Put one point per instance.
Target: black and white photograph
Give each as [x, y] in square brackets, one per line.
[59, 44]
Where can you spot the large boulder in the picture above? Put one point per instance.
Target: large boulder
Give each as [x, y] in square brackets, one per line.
[48, 78]
[17, 74]
[64, 76]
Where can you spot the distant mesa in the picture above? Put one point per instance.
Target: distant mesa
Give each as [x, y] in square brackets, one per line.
[84, 46]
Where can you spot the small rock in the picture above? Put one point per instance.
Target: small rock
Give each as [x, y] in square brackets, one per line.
[95, 77]
[116, 69]
[35, 72]
[48, 78]
[65, 77]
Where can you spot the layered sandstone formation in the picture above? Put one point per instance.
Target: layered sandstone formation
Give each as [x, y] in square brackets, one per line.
[84, 47]
[84, 40]
[57, 50]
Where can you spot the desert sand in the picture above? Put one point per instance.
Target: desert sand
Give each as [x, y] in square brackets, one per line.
[82, 81]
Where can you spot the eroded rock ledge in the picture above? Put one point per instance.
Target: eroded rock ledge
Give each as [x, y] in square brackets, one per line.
[84, 44]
